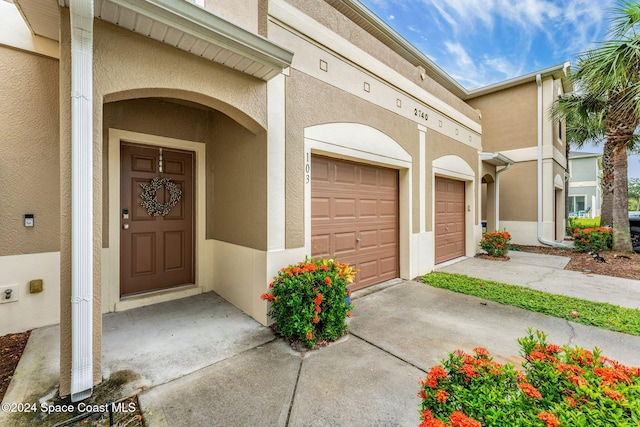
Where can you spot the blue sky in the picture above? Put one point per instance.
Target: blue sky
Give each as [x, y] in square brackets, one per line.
[480, 42]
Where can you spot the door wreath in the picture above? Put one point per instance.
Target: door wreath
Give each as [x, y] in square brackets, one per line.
[150, 198]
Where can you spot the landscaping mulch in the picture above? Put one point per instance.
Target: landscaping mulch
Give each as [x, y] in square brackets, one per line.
[11, 348]
[617, 264]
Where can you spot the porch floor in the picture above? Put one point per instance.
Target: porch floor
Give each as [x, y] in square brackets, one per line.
[148, 346]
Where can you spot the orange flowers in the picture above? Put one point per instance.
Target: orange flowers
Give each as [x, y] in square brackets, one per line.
[268, 297]
[458, 419]
[550, 419]
[310, 299]
[441, 396]
[567, 381]
[530, 390]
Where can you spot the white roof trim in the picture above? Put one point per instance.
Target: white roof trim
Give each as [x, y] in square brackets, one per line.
[496, 159]
[180, 24]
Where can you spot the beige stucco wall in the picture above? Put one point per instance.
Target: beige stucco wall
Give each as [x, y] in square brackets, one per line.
[328, 16]
[236, 160]
[309, 103]
[239, 196]
[518, 192]
[509, 118]
[29, 158]
[243, 13]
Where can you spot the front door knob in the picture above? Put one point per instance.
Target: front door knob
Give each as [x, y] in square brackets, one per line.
[125, 226]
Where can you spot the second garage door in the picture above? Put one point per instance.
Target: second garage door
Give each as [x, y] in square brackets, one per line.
[354, 216]
[450, 219]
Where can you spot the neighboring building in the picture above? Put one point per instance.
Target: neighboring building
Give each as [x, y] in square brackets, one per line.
[277, 129]
[585, 194]
[516, 123]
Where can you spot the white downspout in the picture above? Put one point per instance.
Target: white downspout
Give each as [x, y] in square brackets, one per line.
[497, 189]
[81, 14]
[540, 140]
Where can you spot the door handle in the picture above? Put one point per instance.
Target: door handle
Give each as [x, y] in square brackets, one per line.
[125, 226]
[358, 240]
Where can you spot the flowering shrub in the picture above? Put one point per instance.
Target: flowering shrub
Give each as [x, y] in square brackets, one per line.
[495, 243]
[592, 239]
[310, 301]
[560, 387]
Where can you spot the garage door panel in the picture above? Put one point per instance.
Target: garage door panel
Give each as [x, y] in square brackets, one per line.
[344, 173]
[320, 172]
[368, 270]
[388, 179]
[388, 236]
[368, 239]
[388, 208]
[320, 208]
[344, 242]
[368, 177]
[368, 208]
[320, 244]
[345, 208]
[449, 219]
[359, 223]
[388, 265]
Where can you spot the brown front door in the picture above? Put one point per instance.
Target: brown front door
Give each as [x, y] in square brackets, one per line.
[156, 252]
[354, 216]
[450, 219]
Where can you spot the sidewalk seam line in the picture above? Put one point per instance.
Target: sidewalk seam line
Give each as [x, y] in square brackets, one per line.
[293, 395]
[388, 352]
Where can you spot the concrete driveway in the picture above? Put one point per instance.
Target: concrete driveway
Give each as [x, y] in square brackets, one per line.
[208, 364]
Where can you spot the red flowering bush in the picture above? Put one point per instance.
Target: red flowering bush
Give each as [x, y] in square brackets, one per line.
[592, 239]
[496, 243]
[310, 301]
[559, 387]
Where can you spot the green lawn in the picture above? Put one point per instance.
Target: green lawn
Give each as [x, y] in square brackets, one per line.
[602, 315]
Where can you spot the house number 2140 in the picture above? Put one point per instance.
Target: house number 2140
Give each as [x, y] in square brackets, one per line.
[307, 169]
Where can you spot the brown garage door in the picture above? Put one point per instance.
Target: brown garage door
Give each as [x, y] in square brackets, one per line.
[450, 216]
[354, 216]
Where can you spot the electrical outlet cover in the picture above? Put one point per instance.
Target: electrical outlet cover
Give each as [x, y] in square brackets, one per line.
[14, 293]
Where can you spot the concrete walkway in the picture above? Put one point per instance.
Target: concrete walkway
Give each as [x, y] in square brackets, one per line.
[205, 363]
[546, 273]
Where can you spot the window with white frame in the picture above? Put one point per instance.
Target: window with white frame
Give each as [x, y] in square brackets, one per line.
[577, 203]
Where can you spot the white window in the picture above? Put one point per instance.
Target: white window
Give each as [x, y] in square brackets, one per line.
[577, 203]
[198, 2]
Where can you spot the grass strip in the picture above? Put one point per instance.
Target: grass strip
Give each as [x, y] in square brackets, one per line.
[601, 315]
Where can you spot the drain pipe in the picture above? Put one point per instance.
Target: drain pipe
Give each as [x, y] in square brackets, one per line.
[81, 15]
[540, 140]
[497, 190]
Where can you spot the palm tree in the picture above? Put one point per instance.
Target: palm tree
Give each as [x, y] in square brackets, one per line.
[584, 122]
[609, 76]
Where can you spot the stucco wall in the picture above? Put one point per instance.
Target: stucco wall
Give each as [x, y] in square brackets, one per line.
[310, 102]
[519, 184]
[239, 194]
[29, 158]
[331, 18]
[509, 118]
[242, 13]
[236, 160]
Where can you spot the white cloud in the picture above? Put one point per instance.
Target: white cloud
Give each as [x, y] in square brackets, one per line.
[391, 17]
[480, 42]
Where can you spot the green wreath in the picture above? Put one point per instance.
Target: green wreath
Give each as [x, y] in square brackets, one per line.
[150, 198]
